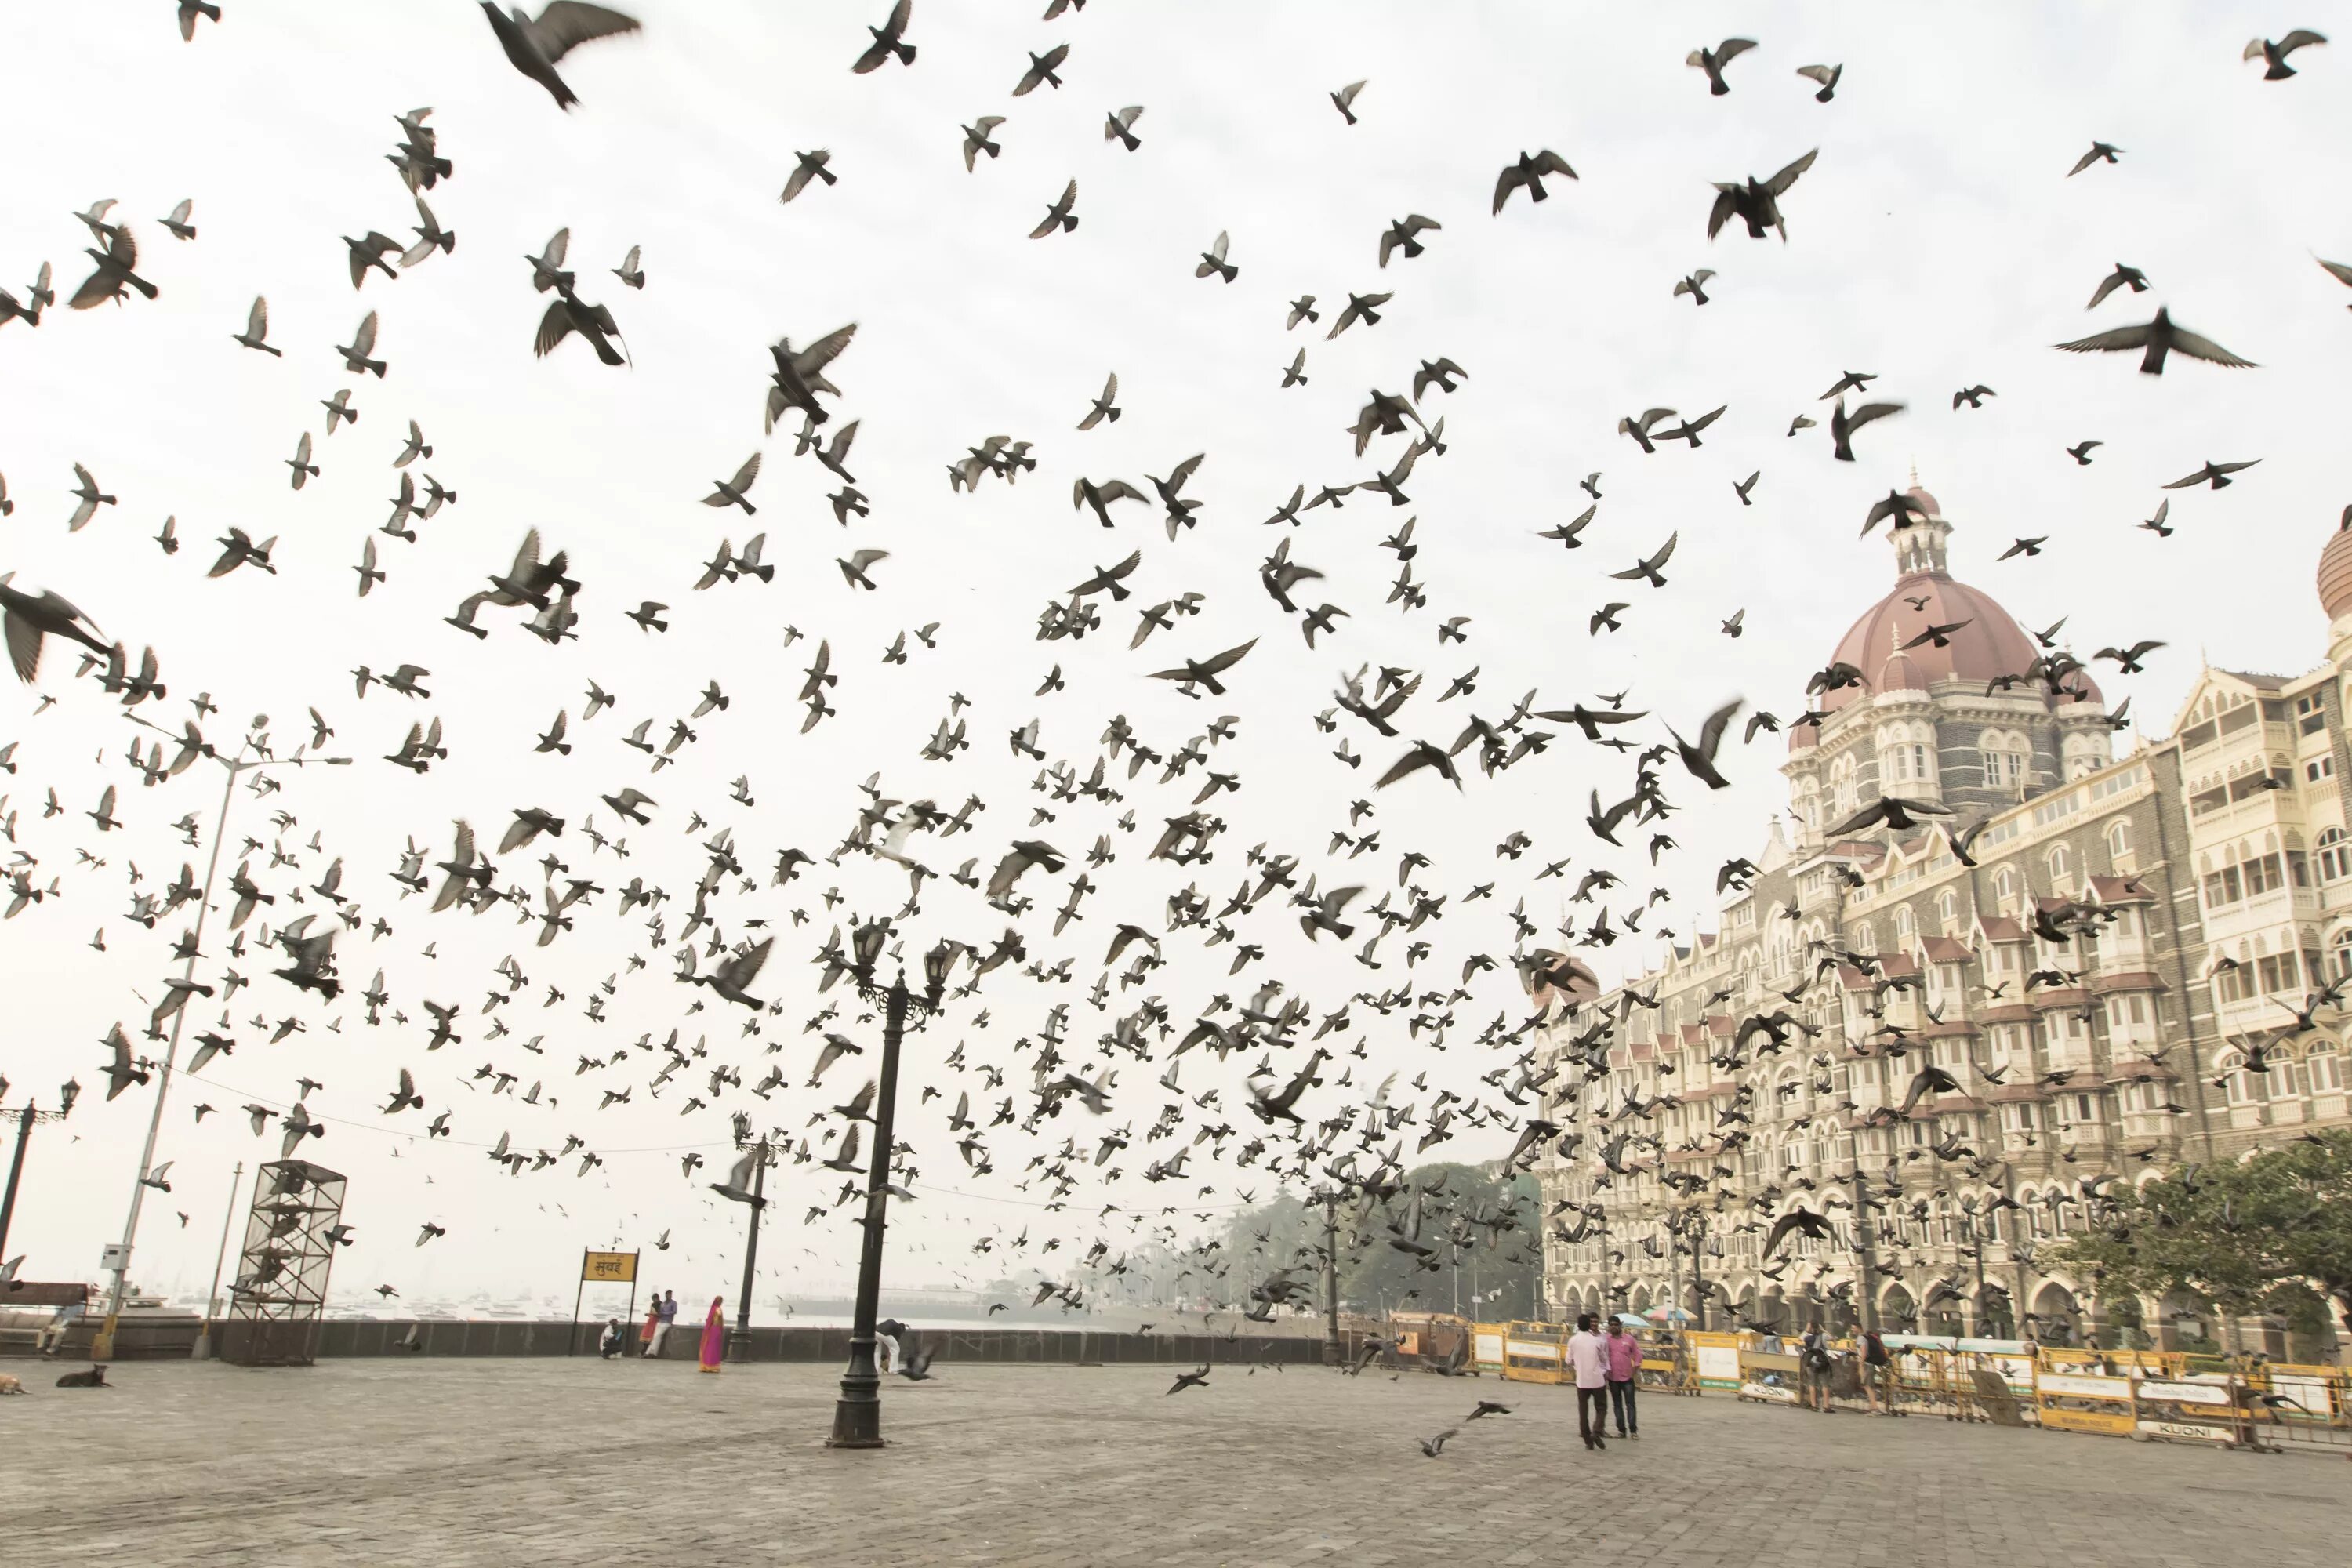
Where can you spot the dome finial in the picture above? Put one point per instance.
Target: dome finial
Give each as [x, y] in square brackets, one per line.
[1915, 473]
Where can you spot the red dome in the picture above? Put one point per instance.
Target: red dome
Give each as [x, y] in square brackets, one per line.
[1900, 673]
[2336, 573]
[1991, 644]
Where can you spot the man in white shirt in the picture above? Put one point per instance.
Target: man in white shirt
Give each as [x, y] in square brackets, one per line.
[1588, 1361]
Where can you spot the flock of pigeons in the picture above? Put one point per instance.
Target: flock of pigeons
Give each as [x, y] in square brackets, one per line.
[1091, 1041]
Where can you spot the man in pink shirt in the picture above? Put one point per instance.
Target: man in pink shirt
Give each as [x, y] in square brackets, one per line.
[1625, 1373]
[1588, 1360]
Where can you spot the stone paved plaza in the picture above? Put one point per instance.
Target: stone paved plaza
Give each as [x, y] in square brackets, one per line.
[524, 1462]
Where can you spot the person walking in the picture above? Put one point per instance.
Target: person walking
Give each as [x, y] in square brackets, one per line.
[1877, 1372]
[652, 1325]
[1624, 1376]
[1814, 1369]
[714, 1335]
[1588, 1360]
[665, 1314]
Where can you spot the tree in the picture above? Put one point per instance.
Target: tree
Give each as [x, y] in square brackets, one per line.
[1479, 1228]
[2260, 1234]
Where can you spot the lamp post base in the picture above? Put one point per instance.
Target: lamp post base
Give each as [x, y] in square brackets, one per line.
[857, 1414]
[739, 1345]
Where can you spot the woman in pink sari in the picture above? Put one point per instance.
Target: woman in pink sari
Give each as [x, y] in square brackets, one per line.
[714, 1336]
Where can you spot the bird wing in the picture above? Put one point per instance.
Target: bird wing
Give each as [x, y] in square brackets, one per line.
[362, 341]
[1779, 184]
[566, 23]
[745, 968]
[1421, 756]
[1219, 663]
[1731, 49]
[257, 320]
[526, 560]
[1727, 204]
[554, 328]
[1504, 183]
[2109, 342]
[1869, 411]
[2206, 348]
[807, 361]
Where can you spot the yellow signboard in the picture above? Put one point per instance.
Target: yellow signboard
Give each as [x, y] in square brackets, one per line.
[610, 1268]
[2111, 1423]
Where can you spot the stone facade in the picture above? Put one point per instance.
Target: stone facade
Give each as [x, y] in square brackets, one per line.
[2130, 925]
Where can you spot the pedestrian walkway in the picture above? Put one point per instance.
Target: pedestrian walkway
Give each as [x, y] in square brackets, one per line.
[501, 1463]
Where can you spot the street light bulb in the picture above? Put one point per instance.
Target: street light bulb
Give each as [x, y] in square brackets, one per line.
[68, 1093]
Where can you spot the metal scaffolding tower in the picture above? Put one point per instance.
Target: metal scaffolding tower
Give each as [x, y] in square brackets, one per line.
[281, 1288]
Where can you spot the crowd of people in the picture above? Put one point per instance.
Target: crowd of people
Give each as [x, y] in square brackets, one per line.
[661, 1313]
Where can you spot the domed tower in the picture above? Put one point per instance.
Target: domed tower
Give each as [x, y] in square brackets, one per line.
[1930, 716]
[2335, 590]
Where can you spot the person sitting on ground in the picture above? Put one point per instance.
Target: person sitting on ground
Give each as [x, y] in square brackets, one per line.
[609, 1344]
[53, 1333]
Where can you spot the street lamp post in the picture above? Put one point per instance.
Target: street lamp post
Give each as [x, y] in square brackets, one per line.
[212, 1298]
[857, 1414]
[738, 1342]
[27, 1120]
[1867, 1269]
[1332, 1353]
[102, 1344]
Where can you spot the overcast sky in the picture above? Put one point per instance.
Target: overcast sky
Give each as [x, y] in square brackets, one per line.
[1936, 242]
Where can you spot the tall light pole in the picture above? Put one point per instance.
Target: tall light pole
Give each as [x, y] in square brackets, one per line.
[102, 1344]
[857, 1414]
[1332, 1353]
[739, 1342]
[211, 1297]
[27, 1120]
[1867, 1268]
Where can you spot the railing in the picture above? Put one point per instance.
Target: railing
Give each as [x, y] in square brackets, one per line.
[2146, 1395]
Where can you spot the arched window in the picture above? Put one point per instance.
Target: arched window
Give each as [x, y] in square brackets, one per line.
[2240, 1085]
[2119, 846]
[2006, 753]
[1904, 928]
[2342, 947]
[2324, 1067]
[1948, 909]
[2061, 865]
[2334, 855]
[2004, 887]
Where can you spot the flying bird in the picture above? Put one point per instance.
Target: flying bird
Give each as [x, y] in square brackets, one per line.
[533, 48]
[1712, 62]
[2158, 338]
[1527, 171]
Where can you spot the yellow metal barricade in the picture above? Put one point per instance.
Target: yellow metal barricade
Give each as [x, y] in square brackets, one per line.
[1534, 1352]
[1667, 1366]
[1714, 1359]
[2083, 1401]
[2298, 1405]
[2204, 1407]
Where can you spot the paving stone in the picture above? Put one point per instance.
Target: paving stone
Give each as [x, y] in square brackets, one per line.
[357, 1464]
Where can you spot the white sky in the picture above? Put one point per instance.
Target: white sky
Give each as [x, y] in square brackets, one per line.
[1935, 241]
